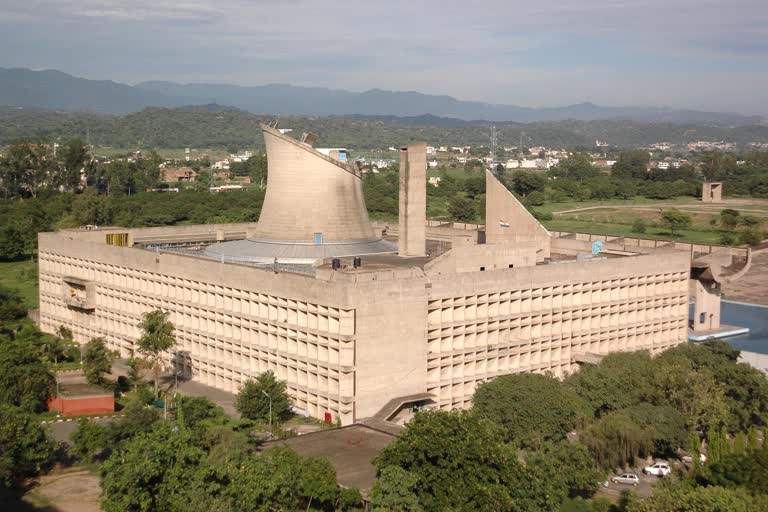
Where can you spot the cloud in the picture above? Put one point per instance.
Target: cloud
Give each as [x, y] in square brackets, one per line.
[528, 49]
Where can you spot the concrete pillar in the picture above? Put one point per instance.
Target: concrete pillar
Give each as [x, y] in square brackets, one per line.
[712, 192]
[706, 311]
[413, 200]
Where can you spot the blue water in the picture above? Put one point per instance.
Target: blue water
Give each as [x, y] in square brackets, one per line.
[753, 317]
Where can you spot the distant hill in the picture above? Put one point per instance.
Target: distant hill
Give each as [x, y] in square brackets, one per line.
[57, 90]
[217, 126]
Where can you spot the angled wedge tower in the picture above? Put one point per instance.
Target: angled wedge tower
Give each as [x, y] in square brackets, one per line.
[313, 209]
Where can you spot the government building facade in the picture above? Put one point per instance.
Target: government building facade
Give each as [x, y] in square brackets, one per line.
[364, 320]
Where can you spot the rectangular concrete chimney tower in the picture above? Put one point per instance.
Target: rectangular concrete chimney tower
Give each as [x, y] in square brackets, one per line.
[413, 200]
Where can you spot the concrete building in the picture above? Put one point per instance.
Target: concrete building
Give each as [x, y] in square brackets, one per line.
[355, 329]
[712, 192]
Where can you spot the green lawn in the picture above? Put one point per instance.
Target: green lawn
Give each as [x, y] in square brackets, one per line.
[707, 237]
[22, 276]
[635, 201]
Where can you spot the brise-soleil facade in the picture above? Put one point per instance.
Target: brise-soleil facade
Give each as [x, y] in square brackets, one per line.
[352, 340]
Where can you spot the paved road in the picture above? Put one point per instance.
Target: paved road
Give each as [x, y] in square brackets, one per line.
[61, 431]
[643, 489]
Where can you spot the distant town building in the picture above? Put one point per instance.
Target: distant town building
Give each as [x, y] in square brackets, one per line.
[175, 174]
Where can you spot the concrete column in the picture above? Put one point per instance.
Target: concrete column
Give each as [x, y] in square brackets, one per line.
[706, 312]
[712, 192]
[413, 200]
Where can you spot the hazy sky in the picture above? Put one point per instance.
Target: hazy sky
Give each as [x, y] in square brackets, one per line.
[683, 53]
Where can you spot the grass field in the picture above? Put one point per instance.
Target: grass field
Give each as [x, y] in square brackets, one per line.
[21, 276]
[615, 217]
[616, 229]
[635, 201]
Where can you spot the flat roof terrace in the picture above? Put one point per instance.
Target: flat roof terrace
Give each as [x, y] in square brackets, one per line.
[350, 450]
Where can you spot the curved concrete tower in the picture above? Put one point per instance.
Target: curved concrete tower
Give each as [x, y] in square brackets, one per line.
[310, 193]
[313, 209]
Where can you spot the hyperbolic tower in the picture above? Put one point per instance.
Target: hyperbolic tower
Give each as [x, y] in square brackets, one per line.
[313, 209]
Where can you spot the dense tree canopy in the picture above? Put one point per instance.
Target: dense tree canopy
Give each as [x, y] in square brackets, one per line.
[531, 408]
[24, 446]
[25, 381]
[459, 461]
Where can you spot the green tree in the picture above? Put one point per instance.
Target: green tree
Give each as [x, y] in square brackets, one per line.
[675, 220]
[748, 469]
[461, 209]
[152, 471]
[739, 443]
[667, 425]
[727, 238]
[12, 244]
[280, 479]
[616, 440]
[631, 164]
[136, 419]
[578, 166]
[530, 408]
[459, 461]
[156, 338]
[25, 381]
[751, 236]
[753, 442]
[526, 182]
[73, 156]
[687, 498]
[729, 218]
[619, 381]
[564, 470]
[24, 446]
[638, 226]
[11, 306]
[97, 360]
[394, 491]
[536, 198]
[253, 399]
[695, 394]
[88, 440]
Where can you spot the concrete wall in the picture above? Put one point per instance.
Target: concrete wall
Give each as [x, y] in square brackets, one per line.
[712, 192]
[413, 200]
[310, 193]
[74, 406]
[348, 342]
[539, 318]
[706, 313]
[506, 220]
[232, 321]
[476, 258]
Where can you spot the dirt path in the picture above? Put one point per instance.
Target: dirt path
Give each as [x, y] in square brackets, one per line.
[655, 206]
[69, 491]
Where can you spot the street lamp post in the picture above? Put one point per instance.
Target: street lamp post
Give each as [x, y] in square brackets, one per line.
[270, 408]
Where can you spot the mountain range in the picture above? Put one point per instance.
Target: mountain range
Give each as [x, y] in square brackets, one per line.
[51, 89]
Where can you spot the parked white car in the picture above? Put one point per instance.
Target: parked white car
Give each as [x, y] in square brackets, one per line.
[626, 478]
[658, 469]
